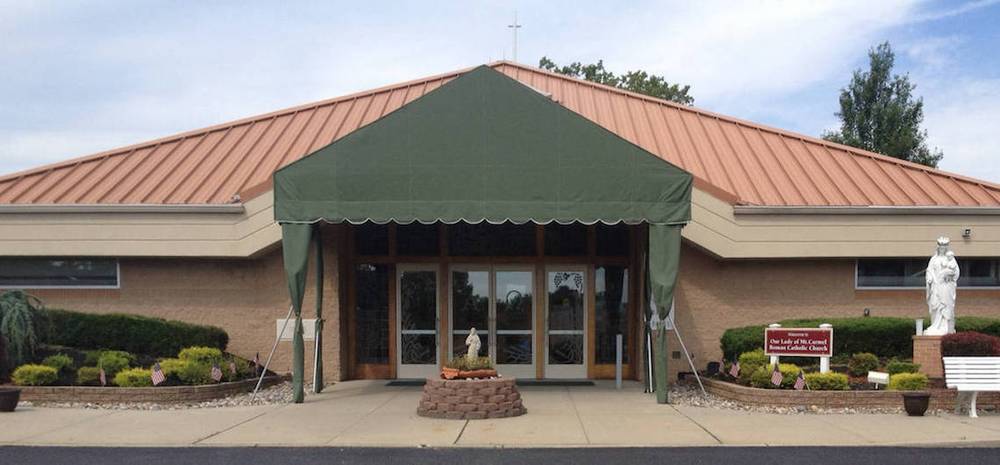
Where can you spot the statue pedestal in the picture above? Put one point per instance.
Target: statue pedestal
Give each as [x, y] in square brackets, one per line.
[927, 352]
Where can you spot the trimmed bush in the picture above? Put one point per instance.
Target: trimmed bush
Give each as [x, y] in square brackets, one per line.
[195, 373]
[61, 362]
[35, 375]
[761, 377]
[201, 355]
[970, 344]
[896, 367]
[88, 376]
[171, 368]
[861, 364]
[908, 382]
[750, 362]
[114, 361]
[134, 377]
[827, 381]
[883, 336]
[90, 357]
[131, 333]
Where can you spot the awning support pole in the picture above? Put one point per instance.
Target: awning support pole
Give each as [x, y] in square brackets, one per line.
[275, 346]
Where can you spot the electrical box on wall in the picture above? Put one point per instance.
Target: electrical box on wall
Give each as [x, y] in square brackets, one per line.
[308, 329]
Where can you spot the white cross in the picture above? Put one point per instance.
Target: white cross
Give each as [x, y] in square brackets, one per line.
[515, 27]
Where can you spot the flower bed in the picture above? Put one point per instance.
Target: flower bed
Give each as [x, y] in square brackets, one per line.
[471, 399]
[164, 394]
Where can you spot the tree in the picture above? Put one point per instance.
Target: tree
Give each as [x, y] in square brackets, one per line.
[879, 113]
[636, 81]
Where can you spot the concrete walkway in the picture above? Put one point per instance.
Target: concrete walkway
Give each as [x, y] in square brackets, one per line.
[367, 413]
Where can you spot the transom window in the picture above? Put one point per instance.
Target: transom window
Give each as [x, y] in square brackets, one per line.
[31, 272]
[906, 272]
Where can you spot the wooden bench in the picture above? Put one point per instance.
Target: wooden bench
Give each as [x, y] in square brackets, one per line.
[972, 374]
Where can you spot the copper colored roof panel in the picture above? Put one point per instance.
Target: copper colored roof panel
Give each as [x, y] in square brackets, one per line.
[749, 163]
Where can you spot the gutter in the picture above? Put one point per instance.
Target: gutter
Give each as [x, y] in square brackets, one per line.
[864, 210]
[229, 208]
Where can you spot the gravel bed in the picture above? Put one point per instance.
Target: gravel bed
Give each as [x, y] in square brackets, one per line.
[277, 394]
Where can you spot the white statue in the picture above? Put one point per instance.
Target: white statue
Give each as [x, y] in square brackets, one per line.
[474, 344]
[942, 280]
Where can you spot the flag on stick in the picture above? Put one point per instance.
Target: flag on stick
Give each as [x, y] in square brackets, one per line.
[734, 370]
[232, 367]
[256, 364]
[800, 382]
[157, 375]
[103, 377]
[216, 372]
[776, 376]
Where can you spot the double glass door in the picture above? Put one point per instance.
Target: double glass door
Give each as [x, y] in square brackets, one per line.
[500, 303]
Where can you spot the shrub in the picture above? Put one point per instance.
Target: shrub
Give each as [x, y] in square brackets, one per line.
[908, 382]
[243, 370]
[35, 375]
[18, 318]
[195, 373]
[171, 368]
[201, 354]
[896, 367]
[750, 362]
[90, 357]
[61, 362]
[134, 377]
[88, 376]
[970, 344]
[978, 324]
[131, 333]
[860, 364]
[462, 363]
[761, 377]
[827, 381]
[3, 361]
[114, 361]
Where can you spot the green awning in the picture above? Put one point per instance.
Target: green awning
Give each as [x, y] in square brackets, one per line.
[484, 147]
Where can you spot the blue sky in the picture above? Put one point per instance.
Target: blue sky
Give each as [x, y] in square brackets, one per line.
[84, 77]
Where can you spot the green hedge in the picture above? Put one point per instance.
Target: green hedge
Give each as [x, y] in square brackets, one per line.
[131, 333]
[827, 381]
[35, 375]
[883, 336]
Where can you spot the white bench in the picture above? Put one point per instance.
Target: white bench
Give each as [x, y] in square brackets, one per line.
[972, 374]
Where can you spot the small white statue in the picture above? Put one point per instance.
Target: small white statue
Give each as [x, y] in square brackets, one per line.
[942, 282]
[474, 344]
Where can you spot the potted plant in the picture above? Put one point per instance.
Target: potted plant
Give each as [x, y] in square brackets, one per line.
[916, 399]
[8, 398]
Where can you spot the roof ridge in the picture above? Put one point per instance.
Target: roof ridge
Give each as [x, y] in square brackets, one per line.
[763, 127]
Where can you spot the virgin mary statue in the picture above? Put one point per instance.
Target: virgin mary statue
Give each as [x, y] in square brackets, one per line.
[942, 280]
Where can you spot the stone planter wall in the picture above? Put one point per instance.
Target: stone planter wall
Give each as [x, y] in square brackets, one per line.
[940, 398]
[164, 394]
[471, 399]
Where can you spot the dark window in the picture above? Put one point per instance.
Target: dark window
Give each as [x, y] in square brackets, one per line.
[565, 240]
[906, 272]
[371, 311]
[417, 239]
[611, 317]
[372, 239]
[484, 239]
[57, 272]
[612, 241]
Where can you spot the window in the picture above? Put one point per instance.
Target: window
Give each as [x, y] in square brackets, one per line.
[612, 240]
[565, 240]
[417, 239]
[372, 239]
[484, 239]
[611, 317]
[58, 272]
[371, 312]
[907, 272]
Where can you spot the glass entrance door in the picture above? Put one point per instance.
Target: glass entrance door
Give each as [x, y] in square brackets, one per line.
[565, 314]
[417, 322]
[499, 302]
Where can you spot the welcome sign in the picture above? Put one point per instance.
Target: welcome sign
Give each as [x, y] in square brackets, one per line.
[799, 342]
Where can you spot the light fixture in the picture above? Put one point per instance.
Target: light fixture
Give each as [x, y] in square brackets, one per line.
[967, 233]
[868, 311]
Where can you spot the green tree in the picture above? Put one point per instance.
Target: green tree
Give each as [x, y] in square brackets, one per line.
[635, 81]
[879, 113]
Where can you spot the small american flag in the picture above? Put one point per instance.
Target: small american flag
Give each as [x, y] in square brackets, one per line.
[103, 377]
[216, 372]
[232, 368]
[800, 382]
[776, 376]
[256, 364]
[157, 376]
[734, 370]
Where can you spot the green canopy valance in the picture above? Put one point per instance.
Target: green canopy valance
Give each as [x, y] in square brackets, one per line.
[484, 147]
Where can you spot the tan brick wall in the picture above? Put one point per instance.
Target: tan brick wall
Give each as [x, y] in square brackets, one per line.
[244, 297]
[714, 295]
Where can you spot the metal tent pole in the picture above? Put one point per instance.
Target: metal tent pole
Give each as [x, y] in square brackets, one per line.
[684, 348]
[275, 346]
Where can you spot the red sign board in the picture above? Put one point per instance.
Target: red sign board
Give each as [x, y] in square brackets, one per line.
[799, 342]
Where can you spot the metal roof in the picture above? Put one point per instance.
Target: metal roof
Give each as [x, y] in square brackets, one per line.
[739, 161]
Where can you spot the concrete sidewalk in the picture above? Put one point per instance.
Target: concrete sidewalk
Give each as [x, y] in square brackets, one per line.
[368, 413]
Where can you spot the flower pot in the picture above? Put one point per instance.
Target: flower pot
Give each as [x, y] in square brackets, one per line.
[9, 398]
[449, 373]
[483, 373]
[916, 403]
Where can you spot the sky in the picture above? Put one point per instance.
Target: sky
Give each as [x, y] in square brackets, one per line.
[82, 77]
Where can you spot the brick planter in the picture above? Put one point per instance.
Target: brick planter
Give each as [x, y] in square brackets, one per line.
[471, 399]
[162, 395]
[940, 398]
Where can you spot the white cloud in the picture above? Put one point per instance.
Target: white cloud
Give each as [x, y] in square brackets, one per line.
[962, 119]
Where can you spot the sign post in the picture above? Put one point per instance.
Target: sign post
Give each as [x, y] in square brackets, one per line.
[800, 342]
